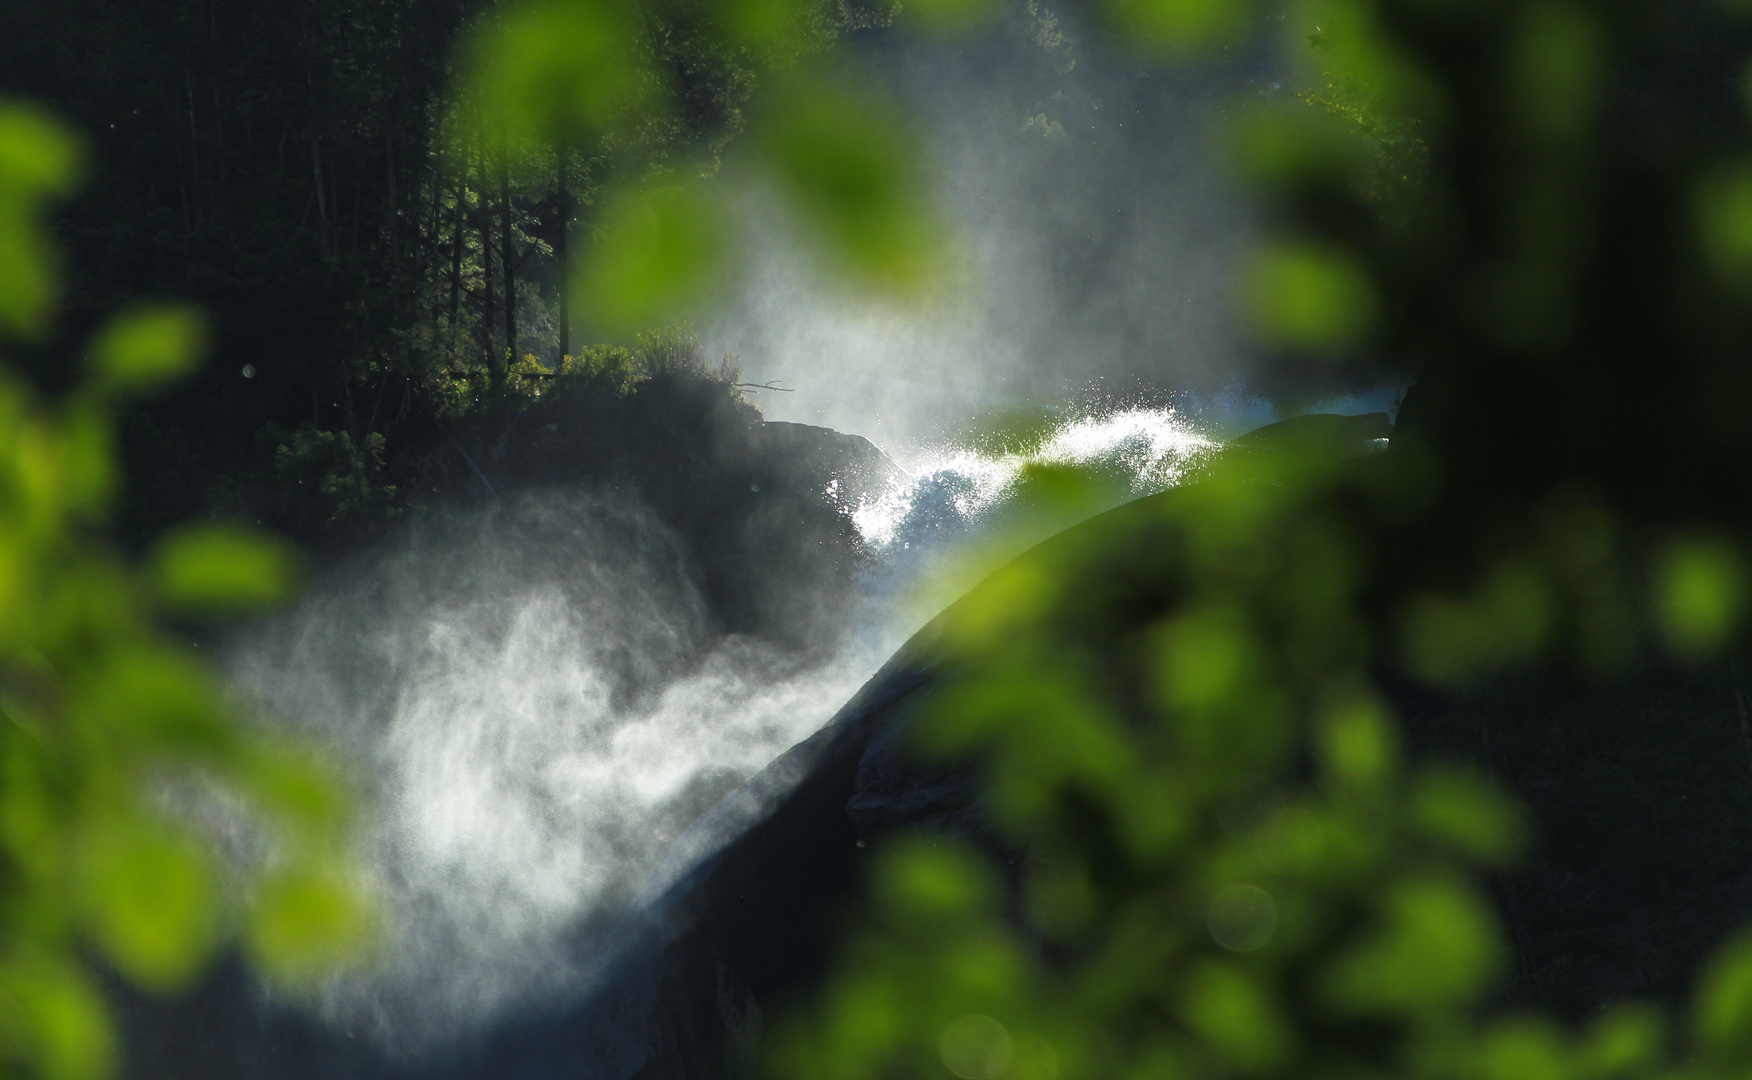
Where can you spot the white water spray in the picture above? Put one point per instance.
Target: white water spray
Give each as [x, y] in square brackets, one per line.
[537, 710]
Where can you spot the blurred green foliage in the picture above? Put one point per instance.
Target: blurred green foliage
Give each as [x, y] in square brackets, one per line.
[1208, 853]
[115, 744]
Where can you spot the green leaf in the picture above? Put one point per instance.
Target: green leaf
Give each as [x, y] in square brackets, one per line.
[145, 348]
[1358, 743]
[848, 163]
[1207, 658]
[1554, 72]
[1524, 1050]
[297, 788]
[1699, 592]
[68, 1033]
[949, 16]
[149, 899]
[1234, 1014]
[38, 158]
[1166, 25]
[919, 879]
[1722, 1015]
[1309, 297]
[1466, 813]
[87, 460]
[38, 155]
[1625, 1040]
[1437, 948]
[306, 923]
[656, 251]
[147, 697]
[554, 70]
[210, 570]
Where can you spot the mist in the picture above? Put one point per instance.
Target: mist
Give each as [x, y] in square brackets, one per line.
[1097, 228]
[534, 705]
[533, 695]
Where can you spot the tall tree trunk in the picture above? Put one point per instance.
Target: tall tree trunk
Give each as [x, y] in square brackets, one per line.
[489, 306]
[394, 215]
[507, 250]
[194, 143]
[322, 196]
[456, 257]
[322, 214]
[223, 210]
[562, 259]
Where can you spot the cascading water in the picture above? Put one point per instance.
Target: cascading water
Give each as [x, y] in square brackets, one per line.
[952, 488]
[536, 710]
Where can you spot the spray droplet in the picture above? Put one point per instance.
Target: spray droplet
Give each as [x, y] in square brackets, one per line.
[249, 371]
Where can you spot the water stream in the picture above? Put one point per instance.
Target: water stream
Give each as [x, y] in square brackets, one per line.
[530, 699]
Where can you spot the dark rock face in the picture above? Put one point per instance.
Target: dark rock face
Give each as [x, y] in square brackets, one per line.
[1327, 434]
[762, 508]
[697, 972]
[1638, 790]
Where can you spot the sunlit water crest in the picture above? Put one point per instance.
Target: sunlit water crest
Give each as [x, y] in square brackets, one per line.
[533, 703]
[955, 487]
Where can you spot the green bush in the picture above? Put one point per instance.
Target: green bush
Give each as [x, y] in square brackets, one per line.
[114, 735]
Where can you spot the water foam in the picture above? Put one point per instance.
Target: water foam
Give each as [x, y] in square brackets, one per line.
[538, 712]
[955, 488]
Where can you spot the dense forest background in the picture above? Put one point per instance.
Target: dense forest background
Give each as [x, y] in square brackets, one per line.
[371, 275]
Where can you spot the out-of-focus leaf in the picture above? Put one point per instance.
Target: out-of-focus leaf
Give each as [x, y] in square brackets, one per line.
[1308, 297]
[145, 348]
[1282, 143]
[1524, 1050]
[1625, 1040]
[1006, 603]
[87, 461]
[68, 1034]
[38, 158]
[656, 251]
[763, 22]
[950, 16]
[149, 901]
[555, 70]
[1699, 592]
[1235, 1015]
[305, 923]
[1207, 657]
[1437, 948]
[1724, 223]
[1359, 746]
[1721, 1019]
[1352, 45]
[940, 881]
[299, 790]
[1554, 70]
[1291, 842]
[149, 696]
[1174, 24]
[1060, 897]
[1504, 621]
[210, 570]
[848, 164]
[1464, 812]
